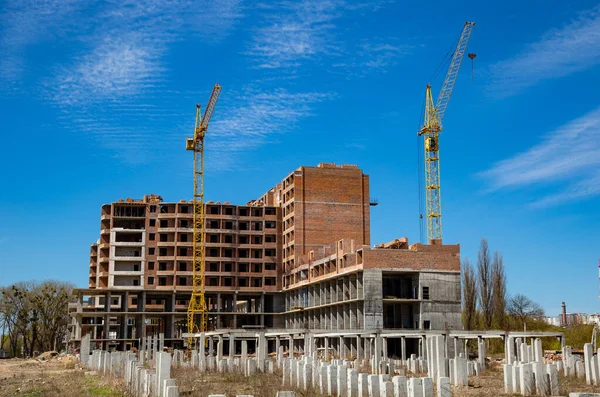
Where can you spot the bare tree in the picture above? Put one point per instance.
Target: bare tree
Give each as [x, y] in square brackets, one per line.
[523, 308]
[469, 295]
[35, 315]
[485, 283]
[498, 290]
[51, 300]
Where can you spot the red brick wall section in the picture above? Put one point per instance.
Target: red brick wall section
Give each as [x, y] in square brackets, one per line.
[330, 204]
[441, 257]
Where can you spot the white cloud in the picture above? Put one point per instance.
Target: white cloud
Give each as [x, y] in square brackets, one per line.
[374, 55]
[297, 31]
[118, 67]
[559, 52]
[249, 119]
[26, 22]
[568, 157]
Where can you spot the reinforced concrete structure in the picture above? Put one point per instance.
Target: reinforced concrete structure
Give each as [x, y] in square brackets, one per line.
[298, 257]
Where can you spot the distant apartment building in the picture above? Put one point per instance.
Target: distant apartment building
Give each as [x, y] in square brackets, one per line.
[299, 256]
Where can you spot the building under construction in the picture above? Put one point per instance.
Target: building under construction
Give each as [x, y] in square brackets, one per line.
[298, 257]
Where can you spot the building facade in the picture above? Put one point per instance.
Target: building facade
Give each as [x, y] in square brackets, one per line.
[299, 256]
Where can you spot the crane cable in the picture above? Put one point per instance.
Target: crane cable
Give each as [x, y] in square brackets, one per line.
[420, 172]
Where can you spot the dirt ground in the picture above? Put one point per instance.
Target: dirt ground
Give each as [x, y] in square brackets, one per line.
[491, 383]
[52, 378]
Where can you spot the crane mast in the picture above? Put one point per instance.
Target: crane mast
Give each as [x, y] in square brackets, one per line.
[432, 126]
[197, 306]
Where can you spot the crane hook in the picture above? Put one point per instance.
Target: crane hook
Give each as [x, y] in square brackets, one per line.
[472, 56]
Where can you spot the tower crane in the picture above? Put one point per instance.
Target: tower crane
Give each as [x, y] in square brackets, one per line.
[432, 126]
[197, 305]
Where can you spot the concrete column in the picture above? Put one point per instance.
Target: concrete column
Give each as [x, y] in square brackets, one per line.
[526, 380]
[508, 380]
[359, 348]
[261, 351]
[163, 370]
[403, 348]
[456, 347]
[377, 352]
[509, 349]
[219, 348]
[443, 387]
[231, 346]
[587, 360]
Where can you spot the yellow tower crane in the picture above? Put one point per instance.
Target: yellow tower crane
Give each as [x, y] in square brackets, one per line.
[432, 126]
[197, 306]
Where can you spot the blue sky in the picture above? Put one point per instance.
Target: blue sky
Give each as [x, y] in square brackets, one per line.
[98, 97]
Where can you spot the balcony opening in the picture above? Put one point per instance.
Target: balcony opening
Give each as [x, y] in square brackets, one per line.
[227, 267]
[136, 282]
[228, 239]
[162, 281]
[244, 211]
[244, 225]
[136, 268]
[228, 225]
[183, 237]
[130, 211]
[257, 226]
[182, 281]
[398, 287]
[163, 237]
[213, 210]
[257, 212]
[270, 281]
[229, 211]
[213, 281]
[213, 238]
[242, 267]
[270, 266]
[213, 252]
[269, 225]
[213, 267]
[270, 211]
[257, 254]
[228, 281]
[270, 252]
[243, 239]
[184, 223]
[256, 239]
[243, 282]
[243, 253]
[183, 251]
[270, 238]
[182, 266]
[162, 266]
[184, 209]
[257, 282]
[257, 267]
[228, 253]
[162, 252]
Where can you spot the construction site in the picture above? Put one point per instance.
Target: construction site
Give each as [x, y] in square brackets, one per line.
[291, 284]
